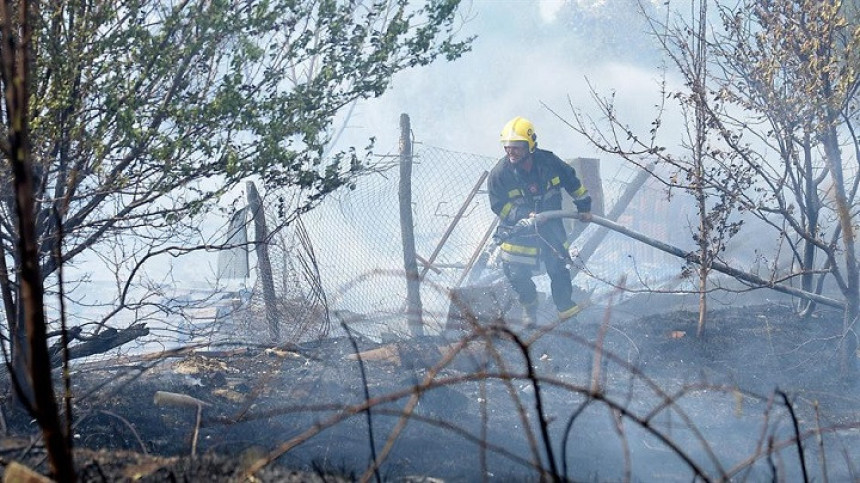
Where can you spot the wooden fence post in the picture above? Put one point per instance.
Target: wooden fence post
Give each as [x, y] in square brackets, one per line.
[264, 265]
[410, 264]
[590, 246]
[588, 171]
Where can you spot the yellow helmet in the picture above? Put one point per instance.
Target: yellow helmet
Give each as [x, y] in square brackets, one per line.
[519, 129]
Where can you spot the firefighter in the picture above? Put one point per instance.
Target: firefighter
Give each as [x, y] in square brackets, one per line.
[527, 181]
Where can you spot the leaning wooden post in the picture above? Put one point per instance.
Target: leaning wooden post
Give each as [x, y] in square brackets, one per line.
[264, 265]
[588, 171]
[410, 264]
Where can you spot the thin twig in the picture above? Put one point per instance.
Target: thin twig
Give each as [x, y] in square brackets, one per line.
[601, 335]
[566, 434]
[482, 455]
[129, 426]
[796, 426]
[618, 424]
[196, 431]
[822, 456]
[367, 412]
[543, 424]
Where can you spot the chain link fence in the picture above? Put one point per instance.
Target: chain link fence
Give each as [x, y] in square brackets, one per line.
[358, 241]
[354, 243]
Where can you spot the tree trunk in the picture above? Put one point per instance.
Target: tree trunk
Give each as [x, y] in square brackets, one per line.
[848, 346]
[16, 63]
[812, 208]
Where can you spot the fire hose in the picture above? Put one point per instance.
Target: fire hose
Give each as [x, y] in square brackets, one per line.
[692, 257]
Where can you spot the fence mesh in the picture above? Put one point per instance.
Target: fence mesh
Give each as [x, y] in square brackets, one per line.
[357, 236]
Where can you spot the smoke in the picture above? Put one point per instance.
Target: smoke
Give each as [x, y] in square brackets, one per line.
[526, 55]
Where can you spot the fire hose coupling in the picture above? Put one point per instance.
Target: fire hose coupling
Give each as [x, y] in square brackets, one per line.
[526, 223]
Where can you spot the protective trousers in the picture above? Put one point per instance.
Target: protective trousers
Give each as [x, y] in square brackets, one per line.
[520, 277]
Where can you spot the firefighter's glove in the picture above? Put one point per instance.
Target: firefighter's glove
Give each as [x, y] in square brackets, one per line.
[526, 224]
[585, 217]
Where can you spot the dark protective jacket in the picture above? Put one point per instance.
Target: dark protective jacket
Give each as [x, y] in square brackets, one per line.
[515, 193]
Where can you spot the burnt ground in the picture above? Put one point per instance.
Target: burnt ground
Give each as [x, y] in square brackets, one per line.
[625, 395]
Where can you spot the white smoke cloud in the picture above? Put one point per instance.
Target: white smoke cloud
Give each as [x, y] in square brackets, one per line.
[549, 9]
[518, 64]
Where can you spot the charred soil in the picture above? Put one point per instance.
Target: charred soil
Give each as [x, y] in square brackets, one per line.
[597, 393]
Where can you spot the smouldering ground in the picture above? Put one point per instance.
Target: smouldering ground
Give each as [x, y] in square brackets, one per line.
[621, 396]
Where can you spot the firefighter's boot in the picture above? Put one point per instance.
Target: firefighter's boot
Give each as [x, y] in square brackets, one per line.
[569, 313]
